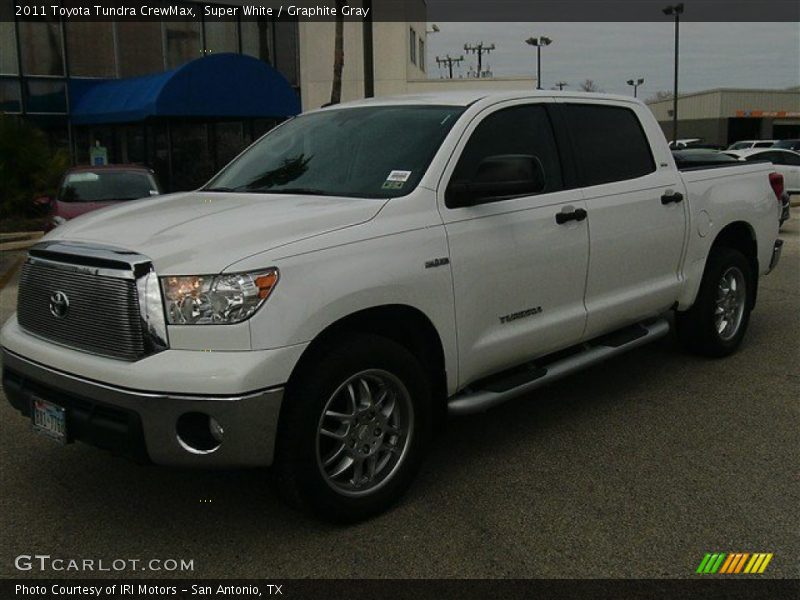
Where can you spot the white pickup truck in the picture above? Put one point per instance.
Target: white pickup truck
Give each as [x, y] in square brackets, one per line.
[363, 270]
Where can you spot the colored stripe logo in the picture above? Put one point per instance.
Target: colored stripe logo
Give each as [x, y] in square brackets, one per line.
[734, 563]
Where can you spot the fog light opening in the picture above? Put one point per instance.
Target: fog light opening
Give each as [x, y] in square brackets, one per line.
[198, 433]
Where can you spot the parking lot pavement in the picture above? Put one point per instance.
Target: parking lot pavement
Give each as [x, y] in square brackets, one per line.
[635, 468]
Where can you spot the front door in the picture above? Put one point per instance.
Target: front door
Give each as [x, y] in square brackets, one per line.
[519, 270]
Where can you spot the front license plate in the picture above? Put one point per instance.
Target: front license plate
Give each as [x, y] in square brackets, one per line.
[49, 419]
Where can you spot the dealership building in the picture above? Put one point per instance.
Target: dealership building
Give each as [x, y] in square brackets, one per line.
[724, 116]
[185, 96]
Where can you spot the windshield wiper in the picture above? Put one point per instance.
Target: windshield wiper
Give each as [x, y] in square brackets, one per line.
[292, 190]
[220, 189]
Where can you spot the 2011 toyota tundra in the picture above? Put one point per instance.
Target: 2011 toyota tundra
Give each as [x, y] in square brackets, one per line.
[365, 269]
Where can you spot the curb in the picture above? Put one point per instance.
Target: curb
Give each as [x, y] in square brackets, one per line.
[17, 236]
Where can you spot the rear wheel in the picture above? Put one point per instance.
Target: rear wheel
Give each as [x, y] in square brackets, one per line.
[353, 429]
[718, 320]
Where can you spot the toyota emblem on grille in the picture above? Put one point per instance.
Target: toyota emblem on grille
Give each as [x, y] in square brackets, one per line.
[59, 305]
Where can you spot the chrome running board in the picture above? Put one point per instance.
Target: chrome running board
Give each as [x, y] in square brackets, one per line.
[498, 389]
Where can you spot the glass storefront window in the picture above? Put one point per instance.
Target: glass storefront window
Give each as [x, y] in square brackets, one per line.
[221, 36]
[45, 96]
[10, 96]
[42, 53]
[90, 49]
[139, 48]
[257, 39]
[192, 163]
[181, 42]
[8, 40]
[229, 142]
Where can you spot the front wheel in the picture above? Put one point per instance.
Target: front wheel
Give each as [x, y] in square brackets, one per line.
[353, 429]
[718, 320]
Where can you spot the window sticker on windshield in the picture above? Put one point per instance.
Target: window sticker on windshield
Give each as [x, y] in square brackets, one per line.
[399, 176]
[81, 177]
[392, 185]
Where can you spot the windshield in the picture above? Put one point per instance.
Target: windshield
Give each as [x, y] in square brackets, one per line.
[740, 146]
[106, 186]
[376, 151]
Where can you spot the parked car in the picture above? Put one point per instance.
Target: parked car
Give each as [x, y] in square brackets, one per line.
[684, 143]
[87, 188]
[329, 297]
[785, 162]
[746, 144]
[788, 145]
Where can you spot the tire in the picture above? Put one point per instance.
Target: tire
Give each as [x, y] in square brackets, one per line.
[388, 438]
[718, 320]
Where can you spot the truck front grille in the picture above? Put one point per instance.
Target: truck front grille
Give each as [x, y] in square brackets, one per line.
[101, 315]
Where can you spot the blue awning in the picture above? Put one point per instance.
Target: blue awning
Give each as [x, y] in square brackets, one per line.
[215, 86]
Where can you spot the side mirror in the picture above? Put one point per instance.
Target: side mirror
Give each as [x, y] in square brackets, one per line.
[498, 177]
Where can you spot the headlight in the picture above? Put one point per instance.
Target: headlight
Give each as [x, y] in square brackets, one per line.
[216, 299]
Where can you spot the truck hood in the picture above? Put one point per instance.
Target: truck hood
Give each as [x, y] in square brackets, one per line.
[200, 233]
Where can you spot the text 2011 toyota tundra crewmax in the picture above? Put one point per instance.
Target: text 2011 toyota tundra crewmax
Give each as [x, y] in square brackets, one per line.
[365, 269]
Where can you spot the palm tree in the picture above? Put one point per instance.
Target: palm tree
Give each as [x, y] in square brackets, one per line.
[338, 55]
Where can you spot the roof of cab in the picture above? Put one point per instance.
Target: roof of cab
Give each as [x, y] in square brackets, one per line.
[468, 97]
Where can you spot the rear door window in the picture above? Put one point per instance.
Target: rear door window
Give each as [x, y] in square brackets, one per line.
[609, 143]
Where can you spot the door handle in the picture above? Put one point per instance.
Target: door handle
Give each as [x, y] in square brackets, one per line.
[576, 215]
[671, 198]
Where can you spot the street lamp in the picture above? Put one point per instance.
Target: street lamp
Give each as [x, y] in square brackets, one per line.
[635, 83]
[539, 42]
[676, 11]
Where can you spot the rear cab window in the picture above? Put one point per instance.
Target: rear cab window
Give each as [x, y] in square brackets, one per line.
[608, 142]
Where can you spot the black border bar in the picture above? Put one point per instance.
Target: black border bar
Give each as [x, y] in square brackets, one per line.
[412, 10]
[700, 587]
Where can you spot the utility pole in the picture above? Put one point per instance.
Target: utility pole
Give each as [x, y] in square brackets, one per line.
[677, 11]
[449, 61]
[480, 49]
[561, 85]
[635, 83]
[538, 43]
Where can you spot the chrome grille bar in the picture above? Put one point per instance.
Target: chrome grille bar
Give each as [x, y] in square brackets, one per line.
[98, 290]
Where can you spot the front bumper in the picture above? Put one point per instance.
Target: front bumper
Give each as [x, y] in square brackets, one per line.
[143, 425]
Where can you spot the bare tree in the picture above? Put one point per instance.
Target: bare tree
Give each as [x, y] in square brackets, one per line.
[589, 85]
[660, 95]
[338, 55]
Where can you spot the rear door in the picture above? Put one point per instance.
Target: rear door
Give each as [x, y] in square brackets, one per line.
[518, 274]
[637, 215]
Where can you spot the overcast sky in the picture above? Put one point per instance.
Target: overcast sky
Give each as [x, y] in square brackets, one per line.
[751, 55]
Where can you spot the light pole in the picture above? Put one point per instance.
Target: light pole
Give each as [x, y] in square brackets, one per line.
[635, 83]
[677, 11]
[539, 42]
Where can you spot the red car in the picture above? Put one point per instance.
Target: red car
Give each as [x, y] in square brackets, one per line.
[87, 188]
